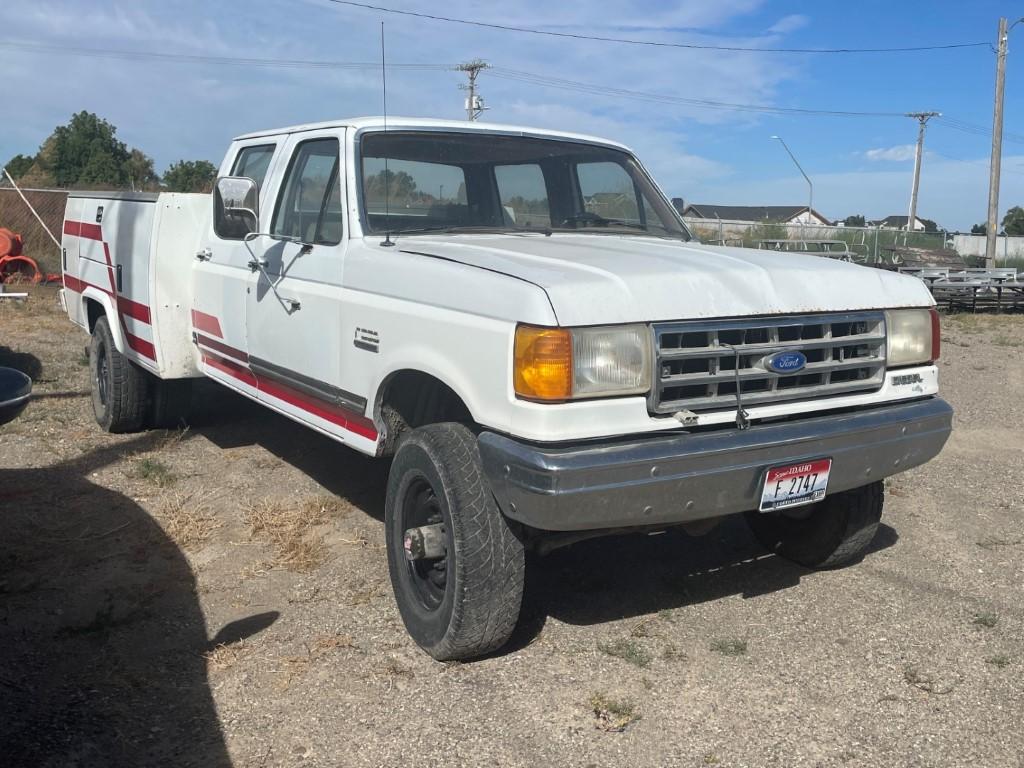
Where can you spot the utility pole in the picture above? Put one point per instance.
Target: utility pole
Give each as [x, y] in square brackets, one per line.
[474, 103]
[992, 225]
[922, 119]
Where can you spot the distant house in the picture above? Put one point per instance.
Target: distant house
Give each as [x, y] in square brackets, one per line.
[899, 222]
[757, 214]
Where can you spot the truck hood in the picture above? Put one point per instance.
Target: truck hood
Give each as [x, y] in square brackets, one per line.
[598, 279]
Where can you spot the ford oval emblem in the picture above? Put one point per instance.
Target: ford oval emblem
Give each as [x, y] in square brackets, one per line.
[785, 362]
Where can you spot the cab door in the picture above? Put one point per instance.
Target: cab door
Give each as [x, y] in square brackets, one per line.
[221, 276]
[293, 306]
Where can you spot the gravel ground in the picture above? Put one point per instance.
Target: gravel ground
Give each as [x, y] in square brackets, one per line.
[219, 596]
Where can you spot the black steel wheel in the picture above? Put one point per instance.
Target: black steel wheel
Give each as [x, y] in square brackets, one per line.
[459, 590]
[420, 507]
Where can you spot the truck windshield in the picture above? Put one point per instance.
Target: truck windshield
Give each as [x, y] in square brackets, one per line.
[452, 182]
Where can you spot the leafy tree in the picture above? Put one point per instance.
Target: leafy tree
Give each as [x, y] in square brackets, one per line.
[399, 184]
[929, 225]
[190, 176]
[18, 165]
[857, 220]
[140, 170]
[979, 229]
[86, 151]
[1013, 221]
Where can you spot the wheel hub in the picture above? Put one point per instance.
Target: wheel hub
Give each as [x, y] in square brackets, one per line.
[425, 544]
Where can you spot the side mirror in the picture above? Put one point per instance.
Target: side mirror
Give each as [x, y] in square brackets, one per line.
[236, 207]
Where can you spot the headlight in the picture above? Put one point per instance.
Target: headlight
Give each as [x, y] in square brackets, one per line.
[565, 363]
[912, 336]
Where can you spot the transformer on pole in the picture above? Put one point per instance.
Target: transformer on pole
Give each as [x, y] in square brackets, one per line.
[474, 102]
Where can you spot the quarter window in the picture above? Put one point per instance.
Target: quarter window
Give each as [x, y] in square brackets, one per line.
[309, 207]
[253, 162]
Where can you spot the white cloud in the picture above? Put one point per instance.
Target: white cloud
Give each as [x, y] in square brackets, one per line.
[788, 24]
[174, 111]
[897, 154]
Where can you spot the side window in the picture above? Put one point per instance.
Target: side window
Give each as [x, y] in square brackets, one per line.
[253, 162]
[524, 195]
[608, 191]
[309, 206]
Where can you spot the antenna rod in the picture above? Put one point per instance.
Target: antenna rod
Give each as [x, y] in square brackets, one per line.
[388, 242]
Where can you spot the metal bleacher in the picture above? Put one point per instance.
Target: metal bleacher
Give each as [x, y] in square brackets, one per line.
[973, 289]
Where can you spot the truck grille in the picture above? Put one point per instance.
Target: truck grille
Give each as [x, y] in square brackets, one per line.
[695, 362]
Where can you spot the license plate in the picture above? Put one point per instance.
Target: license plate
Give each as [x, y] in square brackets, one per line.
[795, 484]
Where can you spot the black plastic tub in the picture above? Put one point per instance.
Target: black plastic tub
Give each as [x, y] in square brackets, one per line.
[15, 390]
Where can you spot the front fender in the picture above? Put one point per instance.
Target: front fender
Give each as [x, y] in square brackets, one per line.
[107, 303]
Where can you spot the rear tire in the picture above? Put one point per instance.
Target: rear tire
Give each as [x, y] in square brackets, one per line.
[467, 602]
[119, 387]
[836, 531]
[170, 401]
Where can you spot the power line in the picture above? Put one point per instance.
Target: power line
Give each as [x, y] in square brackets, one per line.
[107, 53]
[663, 98]
[653, 43]
[978, 130]
[500, 72]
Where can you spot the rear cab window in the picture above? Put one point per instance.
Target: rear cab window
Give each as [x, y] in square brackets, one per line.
[253, 162]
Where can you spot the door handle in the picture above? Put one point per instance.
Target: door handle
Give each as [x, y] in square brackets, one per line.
[204, 255]
[257, 264]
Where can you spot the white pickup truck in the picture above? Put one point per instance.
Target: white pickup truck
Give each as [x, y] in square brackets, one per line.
[521, 321]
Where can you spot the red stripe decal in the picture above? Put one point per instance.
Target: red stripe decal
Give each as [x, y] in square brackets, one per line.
[72, 283]
[134, 310]
[221, 347]
[230, 368]
[326, 411]
[83, 229]
[344, 418]
[143, 347]
[206, 323]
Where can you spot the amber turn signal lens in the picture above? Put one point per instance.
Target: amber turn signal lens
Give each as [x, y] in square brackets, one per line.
[543, 363]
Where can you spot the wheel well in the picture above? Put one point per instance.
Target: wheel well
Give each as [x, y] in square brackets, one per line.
[93, 312]
[411, 399]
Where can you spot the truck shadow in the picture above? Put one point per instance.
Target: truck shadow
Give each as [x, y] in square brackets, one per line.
[230, 421]
[633, 576]
[102, 635]
[588, 583]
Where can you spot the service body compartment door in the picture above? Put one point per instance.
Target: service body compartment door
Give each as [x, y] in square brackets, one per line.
[294, 307]
[114, 232]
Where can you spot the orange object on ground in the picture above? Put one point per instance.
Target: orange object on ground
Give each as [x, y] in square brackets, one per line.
[19, 269]
[10, 243]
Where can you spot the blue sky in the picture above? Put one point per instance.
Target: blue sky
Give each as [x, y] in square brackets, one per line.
[858, 165]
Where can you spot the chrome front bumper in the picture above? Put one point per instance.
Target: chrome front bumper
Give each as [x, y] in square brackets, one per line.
[676, 478]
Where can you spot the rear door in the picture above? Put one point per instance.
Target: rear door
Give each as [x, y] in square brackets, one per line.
[294, 310]
[222, 276]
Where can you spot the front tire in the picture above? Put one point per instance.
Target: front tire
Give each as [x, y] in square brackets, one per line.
[118, 385]
[836, 531]
[466, 602]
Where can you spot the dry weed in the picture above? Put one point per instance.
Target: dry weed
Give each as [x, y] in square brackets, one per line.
[225, 656]
[189, 521]
[613, 716]
[290, 528]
